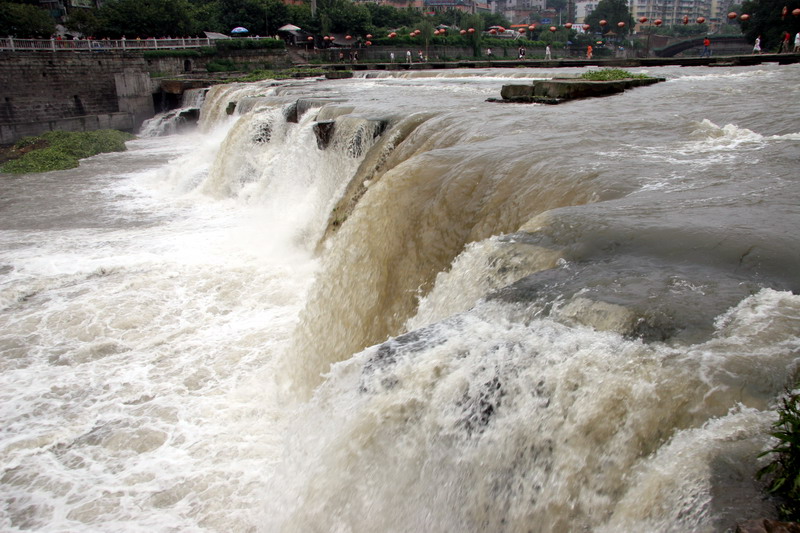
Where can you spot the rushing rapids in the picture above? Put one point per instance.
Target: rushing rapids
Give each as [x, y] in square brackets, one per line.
[385, 304]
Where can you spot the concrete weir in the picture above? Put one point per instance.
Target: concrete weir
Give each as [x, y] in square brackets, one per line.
[560, 90]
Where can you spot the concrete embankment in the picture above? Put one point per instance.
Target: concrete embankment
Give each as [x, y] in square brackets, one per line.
[560, 90]
[717, 61]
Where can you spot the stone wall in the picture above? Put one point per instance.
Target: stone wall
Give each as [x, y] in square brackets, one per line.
[41, 88]
[67, 89]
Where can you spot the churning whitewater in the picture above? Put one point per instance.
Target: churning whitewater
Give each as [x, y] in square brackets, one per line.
[386, 304]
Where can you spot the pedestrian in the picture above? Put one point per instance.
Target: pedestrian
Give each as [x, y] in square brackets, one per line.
[757, 45]
[589, 52]
[785, 43]
[547, 53]
[796, 43]
[489, 53]
[521, 53]
[706, 47]
[408, 56]
[391, 57]
[420, 56]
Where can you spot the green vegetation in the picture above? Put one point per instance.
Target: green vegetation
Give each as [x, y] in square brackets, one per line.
[59, 150]
[768, 21]
[611, 74]
[249, 44]
[25, 21]
[297, 72]
[784, 469]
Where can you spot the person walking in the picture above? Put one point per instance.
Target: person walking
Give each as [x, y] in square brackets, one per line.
[547, 53]
[785, 43]
[757, 45]
[489, 53]
[589, 52]
[706, 47]
[408, 56]
[796, 43]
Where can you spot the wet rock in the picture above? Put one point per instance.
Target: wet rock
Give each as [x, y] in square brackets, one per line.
[323, 131]
[765, 525]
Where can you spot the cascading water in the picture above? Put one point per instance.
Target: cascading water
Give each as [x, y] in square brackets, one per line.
[385, 304]
[176, 120]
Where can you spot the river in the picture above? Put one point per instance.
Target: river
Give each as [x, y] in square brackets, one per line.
[384, 304]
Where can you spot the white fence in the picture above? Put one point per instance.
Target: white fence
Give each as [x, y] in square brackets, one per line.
[54, 45]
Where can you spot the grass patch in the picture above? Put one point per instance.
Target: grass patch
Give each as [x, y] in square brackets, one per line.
[60, 150]
[783, 472]
[611, 74]
[297, 72]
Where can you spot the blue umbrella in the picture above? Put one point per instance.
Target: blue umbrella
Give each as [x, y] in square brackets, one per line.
[239, 29]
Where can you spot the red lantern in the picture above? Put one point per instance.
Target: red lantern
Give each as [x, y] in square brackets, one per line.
[620, 24]
[745, 17]
[521, 30]
[309, 38]
[586, 27]
[442, 31]
[642, 19]
[732, 15]
[658, 22]
[417, 32]
[532, 27]
[412, 34]
[463, 32]
[325, 38]
[796, 12]
[493, 31]
[553, 28]
[686, 19]
[701, 20]
[436, 32]
[368, 43]
[369, 36]
[603, 22]
[501, 29]
[348, 37]
[568, 25]
[392, 35]
[471, 30]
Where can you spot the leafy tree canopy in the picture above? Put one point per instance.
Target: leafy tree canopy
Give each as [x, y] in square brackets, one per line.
[25, 21]
[613, 11]
[767, 21]
[145, 18]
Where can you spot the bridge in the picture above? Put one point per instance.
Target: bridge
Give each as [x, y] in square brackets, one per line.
[53, 45]
[721, 43]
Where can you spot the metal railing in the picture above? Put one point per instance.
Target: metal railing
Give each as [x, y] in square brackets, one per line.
[55, 45]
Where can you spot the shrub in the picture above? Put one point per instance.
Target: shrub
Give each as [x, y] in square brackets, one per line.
[249, 44]
[784, 469]
[62, 149]
[221, 65]
[610, 74]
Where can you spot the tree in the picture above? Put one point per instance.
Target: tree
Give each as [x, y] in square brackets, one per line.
[25, 21]
[767, 21]
[145, 18]
[474, 39]
[613, 11]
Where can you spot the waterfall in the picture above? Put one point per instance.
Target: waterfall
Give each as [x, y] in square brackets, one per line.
[176, 120]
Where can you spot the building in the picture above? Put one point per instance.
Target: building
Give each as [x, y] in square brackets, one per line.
[671, 11]
[584, 8]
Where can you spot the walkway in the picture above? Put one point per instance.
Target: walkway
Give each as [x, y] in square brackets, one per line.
[55, 45]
